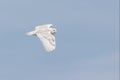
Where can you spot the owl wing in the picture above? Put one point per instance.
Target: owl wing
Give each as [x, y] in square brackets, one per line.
[47, 39]
[43, 27]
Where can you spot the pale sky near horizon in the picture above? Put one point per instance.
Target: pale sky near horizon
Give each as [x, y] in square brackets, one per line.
[87, 40]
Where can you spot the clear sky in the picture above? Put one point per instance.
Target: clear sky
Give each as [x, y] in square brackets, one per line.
[87, 40]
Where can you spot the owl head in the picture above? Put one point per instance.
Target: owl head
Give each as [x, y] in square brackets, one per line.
[53, 31]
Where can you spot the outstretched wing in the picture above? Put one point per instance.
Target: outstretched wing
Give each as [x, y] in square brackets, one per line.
[43, 27]
[47, 39]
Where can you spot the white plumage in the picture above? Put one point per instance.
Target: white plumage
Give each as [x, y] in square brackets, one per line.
[46, 34]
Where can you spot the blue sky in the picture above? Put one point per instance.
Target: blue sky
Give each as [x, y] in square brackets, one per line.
[87, 40]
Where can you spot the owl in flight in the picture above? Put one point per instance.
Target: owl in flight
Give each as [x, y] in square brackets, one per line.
[46, 34]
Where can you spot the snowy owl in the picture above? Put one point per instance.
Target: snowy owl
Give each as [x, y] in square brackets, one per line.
[47, 36]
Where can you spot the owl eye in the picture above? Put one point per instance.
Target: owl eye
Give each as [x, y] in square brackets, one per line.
[54, 30]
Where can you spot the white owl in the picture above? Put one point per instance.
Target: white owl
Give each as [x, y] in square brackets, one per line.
[46, 34]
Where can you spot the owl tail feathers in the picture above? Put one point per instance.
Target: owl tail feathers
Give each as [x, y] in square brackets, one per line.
[32, 33]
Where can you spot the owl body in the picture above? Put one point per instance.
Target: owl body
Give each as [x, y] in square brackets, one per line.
[46, 34]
